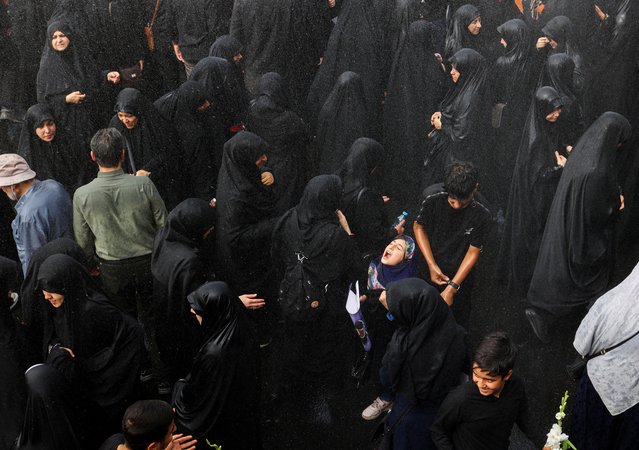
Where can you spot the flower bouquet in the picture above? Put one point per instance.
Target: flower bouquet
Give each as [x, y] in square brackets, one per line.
[557, 439]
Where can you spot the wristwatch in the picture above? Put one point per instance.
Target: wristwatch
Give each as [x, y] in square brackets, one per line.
[454, 285]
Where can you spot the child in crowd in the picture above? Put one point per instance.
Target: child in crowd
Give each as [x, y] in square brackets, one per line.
[480, 414]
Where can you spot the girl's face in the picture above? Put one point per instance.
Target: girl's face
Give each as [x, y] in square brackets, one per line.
[394, 252]
[129, 120]
[46, 130]
[56, 300]
[59, 41]
[553, 115]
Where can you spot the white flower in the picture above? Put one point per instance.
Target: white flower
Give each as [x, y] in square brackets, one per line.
[560, 415]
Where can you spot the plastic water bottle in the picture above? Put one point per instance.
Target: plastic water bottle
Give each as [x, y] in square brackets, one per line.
[403, 216]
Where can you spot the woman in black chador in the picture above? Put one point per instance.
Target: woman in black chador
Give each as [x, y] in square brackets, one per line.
[343, 118]
[362, 205]
[415, 89]
[559, 30]
[575, 255]
[94, 350]
[423, 361]
[271, 118]
[461, 33]
[69, 82]
[314, 238]
[512, 83]
[219, 401]
[179, 266]
[558, 73]
[462, 119]
[200, 147]
[48, 151]
[232, 50]
[537, 171]
[150, 145]
[225, 91]
[245, 217]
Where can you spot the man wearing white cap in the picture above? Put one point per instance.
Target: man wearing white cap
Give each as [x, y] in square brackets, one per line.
[43, 208]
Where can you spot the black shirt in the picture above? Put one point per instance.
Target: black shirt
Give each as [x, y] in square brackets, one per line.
[468, 420]
[450, 231]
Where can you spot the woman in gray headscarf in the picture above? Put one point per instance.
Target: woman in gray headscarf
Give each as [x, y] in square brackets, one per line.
[606, 413]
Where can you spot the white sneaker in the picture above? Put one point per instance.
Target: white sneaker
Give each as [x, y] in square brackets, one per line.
[375, 409]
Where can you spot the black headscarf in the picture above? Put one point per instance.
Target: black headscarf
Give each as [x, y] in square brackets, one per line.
[415, 89]
[425, 356]
[221, 394]
[362, 205]
[343, 118]
[458, 36]
[245, 214]
[55, 159]
[513, 69]
[560, 30]
[200, 144]
[558, 73]
[70, 70]
[107, 344]
[178, 268]
[12, 389]
[270, 118]
[533, 187]
[31, 299]
[223, 88]
[464, 109]
[575, 260]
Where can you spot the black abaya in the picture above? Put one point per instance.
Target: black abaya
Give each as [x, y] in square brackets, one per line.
[533, 187]
[362, 205]
[271, 118]
[245, 217]
[575, 255]
[416, 86]
[150, 145]
[342, 119]
[178, 268]
[464, 118]
[219, 400]
[200, 147]
[57, 159]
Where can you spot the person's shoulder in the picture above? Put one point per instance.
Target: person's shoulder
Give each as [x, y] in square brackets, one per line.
[515, 386]
[461, 394]
[434, 192]
[479, 208]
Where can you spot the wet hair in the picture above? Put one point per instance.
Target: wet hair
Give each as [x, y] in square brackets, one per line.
[146, 422]
[461, 180]
[496, 354]
[107, 145]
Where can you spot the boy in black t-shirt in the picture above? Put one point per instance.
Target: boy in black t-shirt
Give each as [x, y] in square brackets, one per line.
[480, 414]
[450, 230]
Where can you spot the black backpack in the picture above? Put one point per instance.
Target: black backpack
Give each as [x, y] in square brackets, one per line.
[302, 295]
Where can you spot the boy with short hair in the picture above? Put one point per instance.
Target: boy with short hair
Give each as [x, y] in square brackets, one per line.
[480, 414]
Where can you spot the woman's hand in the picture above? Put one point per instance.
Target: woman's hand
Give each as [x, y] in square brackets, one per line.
[251, 301]
[622, 202]
[542, 42]
[178, 52]
[113, 77]
[343, 222]
[436, 120]
[400, 227]
[75, 97]
[142, 173]
[602, 15]
[69, 350]
[561, 159]
[267, 178]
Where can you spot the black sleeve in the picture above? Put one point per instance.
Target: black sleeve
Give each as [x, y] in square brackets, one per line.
[372, 225]
[447, 420]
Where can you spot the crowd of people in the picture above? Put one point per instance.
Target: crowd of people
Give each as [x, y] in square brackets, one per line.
[194, 190]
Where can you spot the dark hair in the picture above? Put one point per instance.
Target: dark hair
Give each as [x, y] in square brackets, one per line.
[146, 422]
[107, 145]
[461, 180]
[496, 354]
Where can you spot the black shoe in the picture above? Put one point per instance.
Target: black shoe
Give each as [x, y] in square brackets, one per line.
[539, 325]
